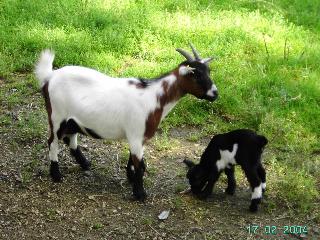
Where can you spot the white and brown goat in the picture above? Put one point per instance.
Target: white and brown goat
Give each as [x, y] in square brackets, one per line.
[83, 100]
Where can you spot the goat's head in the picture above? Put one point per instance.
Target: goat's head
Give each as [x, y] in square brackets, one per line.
[197, 176]
[194, 75]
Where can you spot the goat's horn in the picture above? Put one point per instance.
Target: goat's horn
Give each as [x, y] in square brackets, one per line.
[185, 54]
[195, 53]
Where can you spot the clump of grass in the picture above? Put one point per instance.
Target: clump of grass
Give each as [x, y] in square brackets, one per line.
[286, 134]
[297, 189]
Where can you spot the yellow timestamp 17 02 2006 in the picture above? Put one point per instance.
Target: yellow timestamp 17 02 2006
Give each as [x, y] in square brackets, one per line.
[274, 230]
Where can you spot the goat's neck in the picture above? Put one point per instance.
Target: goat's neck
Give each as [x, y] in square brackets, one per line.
[171, 89]
[168, 94]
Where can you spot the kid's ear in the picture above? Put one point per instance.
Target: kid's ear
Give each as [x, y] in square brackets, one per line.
[189, 163]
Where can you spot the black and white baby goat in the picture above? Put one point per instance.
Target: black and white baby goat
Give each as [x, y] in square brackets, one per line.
[83, 100]
[243, 147]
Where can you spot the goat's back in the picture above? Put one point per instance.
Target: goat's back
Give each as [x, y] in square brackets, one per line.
[250, 144]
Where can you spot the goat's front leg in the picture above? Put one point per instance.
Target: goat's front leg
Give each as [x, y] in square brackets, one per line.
[207, 191]
[256, 187]
[135, 170]
[231, 180]
[130, 169]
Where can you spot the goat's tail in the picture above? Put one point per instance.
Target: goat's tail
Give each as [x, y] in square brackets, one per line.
[44, 67]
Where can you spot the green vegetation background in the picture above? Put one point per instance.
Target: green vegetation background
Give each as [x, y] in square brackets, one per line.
[266, 69]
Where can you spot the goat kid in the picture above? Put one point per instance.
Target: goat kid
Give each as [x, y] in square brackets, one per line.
[243, 147]
[82, 100]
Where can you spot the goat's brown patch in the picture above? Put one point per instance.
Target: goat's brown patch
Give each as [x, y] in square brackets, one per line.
[181, 86]
[170, 93]
[188, 84]
[45, 94]
[152, 123]
[136, 161]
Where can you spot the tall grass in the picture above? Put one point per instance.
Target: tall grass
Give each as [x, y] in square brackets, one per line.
[266, 68]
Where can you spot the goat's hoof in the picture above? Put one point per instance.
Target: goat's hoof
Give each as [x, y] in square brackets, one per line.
[130, 176]
[56, 177]
[203, 196]
[254, 204]
[85, 166]
[230, 191]
[140, 195]
[253, 208]
[55, 172]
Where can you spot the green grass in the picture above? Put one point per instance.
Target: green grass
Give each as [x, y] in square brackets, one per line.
[267, 68]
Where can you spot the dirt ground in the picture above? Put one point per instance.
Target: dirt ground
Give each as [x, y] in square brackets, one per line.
[98, 204]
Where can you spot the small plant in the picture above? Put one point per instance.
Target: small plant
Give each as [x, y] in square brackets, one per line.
[97, 226]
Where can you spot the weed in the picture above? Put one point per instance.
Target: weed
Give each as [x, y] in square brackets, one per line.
[97, 226]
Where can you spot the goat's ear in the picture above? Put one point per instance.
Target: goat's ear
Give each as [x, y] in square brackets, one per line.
[184, 70]
[189, 163]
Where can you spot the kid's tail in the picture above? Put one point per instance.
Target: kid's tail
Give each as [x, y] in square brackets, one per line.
[262, 140]
[44, 67]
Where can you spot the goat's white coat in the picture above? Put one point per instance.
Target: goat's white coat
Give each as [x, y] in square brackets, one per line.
[111, 107]
[227, 157]
[212, 90]
[257, 192]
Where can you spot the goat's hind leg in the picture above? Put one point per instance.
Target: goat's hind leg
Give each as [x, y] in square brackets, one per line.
[75, 151]
[53, 156]
[262, 175]
[256, 186]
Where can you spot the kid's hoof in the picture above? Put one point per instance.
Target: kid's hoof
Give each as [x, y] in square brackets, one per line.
[253, 208]
[57, 179]
[85, 165]
[254, 204]
[203, 196]
[55, 172]
[230, 191]
[140, 195]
